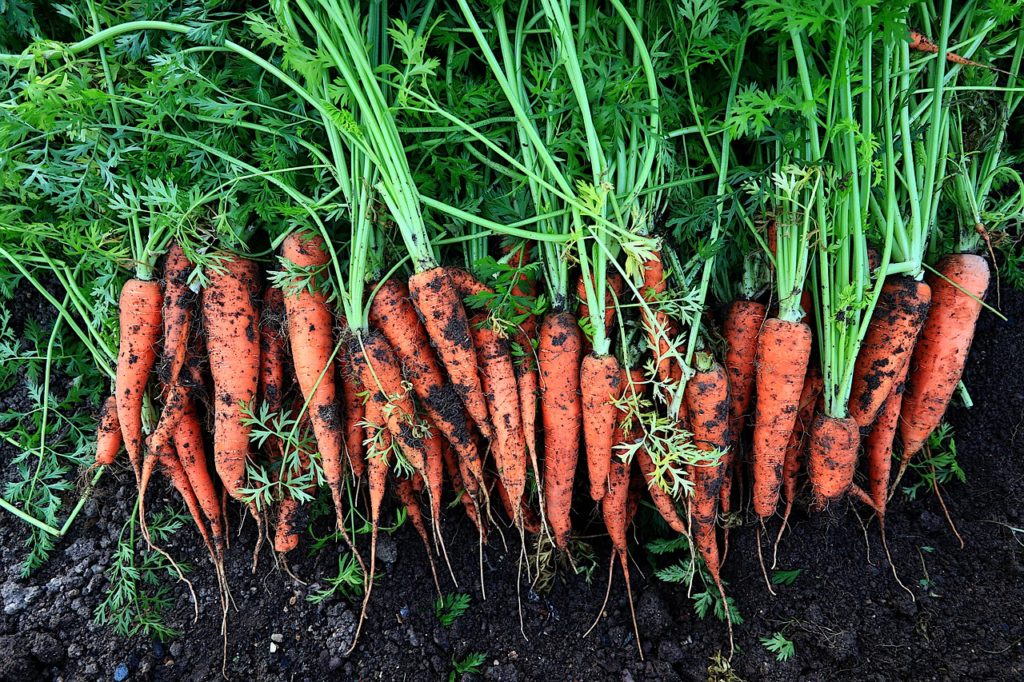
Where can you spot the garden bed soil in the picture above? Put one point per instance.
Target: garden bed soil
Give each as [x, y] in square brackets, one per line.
[845, 613]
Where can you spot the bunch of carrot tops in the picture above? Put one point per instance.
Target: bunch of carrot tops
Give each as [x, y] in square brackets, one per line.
[490, 248]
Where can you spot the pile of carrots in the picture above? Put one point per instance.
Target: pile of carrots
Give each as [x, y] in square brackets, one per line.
[435, 382]
[554, 260]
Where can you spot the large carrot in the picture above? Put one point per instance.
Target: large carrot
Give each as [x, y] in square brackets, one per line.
[741, 329]
[352, 402]
[108, 433]
[140, 328]
[559, 361]
[499, 384]
[707, 400]
[393, 313]
[311, 336]
[941, 352]
[232, 340]
[832, 457]
[899, 315]
[783, 350]
[601, 385]
[437, 300]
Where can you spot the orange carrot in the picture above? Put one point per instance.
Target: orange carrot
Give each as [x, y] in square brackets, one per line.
[613, 291]
[707, 399]
[311, 337]
[812, 389]
[525, 367]
[393, 313]
[878, 445]
[601, 384]
[499, 384]
[433, 448]
[273, 350]
[832, 457]
[559, 358]
[108, 433]
[188, 441]
[525, 515]
[232, 340]
[407, 496]
[740, 330]
[140, 324]
[663, 501]
[657, 325]
[352, 403]
[437, 300]
[899, 315]
[920, 43]
[467, 501]
[783, 350]
[941, 352]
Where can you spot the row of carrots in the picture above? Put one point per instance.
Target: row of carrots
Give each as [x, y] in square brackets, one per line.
[437, 383]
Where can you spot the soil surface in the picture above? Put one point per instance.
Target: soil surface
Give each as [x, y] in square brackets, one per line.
[845, 613]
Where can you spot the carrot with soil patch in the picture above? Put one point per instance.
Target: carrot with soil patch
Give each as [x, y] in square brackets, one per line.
[601, 385]
[707, 400]
[941, 353]
[311, 336]
[499, 384]
[139, 315]
[832, 457]
[191, 452]
[900, 313]
[783, 351]
[809, 396]
[559, 362]
[232, 341]
[393, 313]
[444, 317]
[352, 403]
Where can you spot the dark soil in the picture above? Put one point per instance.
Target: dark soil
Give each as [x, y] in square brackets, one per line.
[846, 614]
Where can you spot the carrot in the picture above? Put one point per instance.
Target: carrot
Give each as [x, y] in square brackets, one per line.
[813, 386]
[559, 361]
[437, 300]
[108, 433]
[601, 384]
[176, 474]
[616, 287]
[895, 325]
[380, 373]
[741, 329]
[232, 340]
[310, 333]
[920, 43]
[878, 445]
[657, 324]
[457, 484]
[188, 441]
[531, 524]
[273, 350]
[663, 501]
[707, 400]
[177, 321]
[941, 353]
[352, 403]
[393, 313]
[783, 351]
[140, 328]
[525, 368]
[499, 384]
[407, 496]
[832, 457]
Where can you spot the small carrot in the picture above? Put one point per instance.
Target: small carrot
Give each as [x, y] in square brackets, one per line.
[614, 290]
[812, 389]
[656, 322]
[191, 452]
[783, 351]
[140, 329]
[525, 367]
[452, 467]
[832, 457]
[352, 403]
[559, 361]
[879, 442]
[407, 496]
[941, 353]
[437, 300]
[663, 501]
[601, 385]
[895, 325]
[919, 43]
[108, 433]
